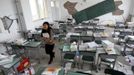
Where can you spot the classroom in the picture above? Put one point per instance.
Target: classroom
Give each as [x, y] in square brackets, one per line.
[66, 37]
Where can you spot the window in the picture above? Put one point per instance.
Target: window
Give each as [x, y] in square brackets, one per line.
[52, 3]
[38, 9]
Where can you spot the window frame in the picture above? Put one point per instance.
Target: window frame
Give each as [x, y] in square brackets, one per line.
[45, 10]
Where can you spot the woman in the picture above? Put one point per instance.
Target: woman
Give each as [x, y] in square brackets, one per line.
[47, 37]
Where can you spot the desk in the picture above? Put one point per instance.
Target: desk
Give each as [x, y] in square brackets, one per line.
[122, 60]
[35, 46]
[129, 43]
[110, 51]
[7, 45]
[120, 26]
[123, 65]
[31, 45]
[100, 51]
[59, 21]
[109, 47]
[108, 58]
[71, 33]
[36, 35]
[83, 28]
[99, 29]
[131, 37]
[126, 32]
[81, 37]
[5, 68]
[86, 51]
[100, 36]
[106, 55]
[89, 33]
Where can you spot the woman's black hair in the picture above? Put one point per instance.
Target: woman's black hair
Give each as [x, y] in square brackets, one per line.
[46, 23]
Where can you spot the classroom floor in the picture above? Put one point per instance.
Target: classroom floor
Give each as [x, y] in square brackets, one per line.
[57, 63]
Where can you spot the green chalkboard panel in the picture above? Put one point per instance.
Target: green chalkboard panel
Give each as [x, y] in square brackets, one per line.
[95, 11]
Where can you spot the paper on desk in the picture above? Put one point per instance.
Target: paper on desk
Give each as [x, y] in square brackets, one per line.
[131, 59]
[89, 33]
[123, 68]
[79, 27]
[20, 41]
[83, 46]
[127, 70]
[3, 56]
[111, 60]
[131, 37]
[7, 60]
[68, 66]
[110, 51]
[117, 33]
[107, 43]
[66, 48]
[92, 44]
[97, 35]
[104, 34]
[88, 72]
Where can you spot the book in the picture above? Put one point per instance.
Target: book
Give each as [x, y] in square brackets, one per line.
[46, 35]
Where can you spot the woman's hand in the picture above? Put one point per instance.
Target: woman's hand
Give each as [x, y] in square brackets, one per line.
[48, 40]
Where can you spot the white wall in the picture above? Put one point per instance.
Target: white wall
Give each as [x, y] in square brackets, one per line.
[62, 11]
[7, 8]
[55, 10]
[132, 7]
[28, 16]
[125, 7]
[63, 14]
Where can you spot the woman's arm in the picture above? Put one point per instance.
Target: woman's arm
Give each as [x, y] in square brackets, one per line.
[51, 33]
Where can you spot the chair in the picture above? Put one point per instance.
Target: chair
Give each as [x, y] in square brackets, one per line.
[88, 57]
[56, 31]
[86, 38]
[68, 57]
[74, 38]
[61, 37]
[107, 60]
[113, 72]
[98, 42]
